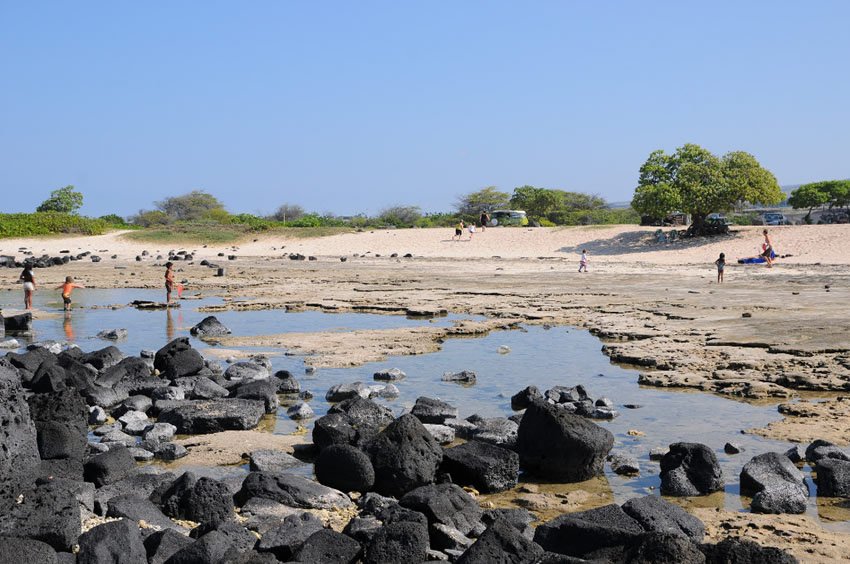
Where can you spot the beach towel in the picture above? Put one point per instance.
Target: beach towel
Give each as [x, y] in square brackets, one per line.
[756, 260]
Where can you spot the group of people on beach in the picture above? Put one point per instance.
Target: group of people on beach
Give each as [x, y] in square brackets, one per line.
[766, 253]
[28, 279]
[484, 219]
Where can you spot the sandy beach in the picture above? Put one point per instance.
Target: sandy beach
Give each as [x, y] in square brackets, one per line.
[763, 333]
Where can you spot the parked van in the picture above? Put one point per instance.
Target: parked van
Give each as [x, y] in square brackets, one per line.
[508, 217]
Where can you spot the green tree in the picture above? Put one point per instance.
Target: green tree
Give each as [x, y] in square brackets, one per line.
[148, 218]
[288, 212]
[578, 201]
[64, 200]
[697, 182]
[838, 191]
[400, 216]
[536, 202]
[486, 199]
[809, 196]
[190, 207]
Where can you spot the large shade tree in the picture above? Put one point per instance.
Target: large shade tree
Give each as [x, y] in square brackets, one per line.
[697, 182]
[63, 200]
[486, 199]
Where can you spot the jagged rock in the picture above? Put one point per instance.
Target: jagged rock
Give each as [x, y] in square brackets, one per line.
[273, 461]
[19, 457]
[775, 484]
[561, 446]
[291, 490]
[112, 334]
[520, 519]
[824, 449]
[226, 543]
[429, 410]
[116, 541]
[116, 436]
[340, 392]
[18, 323]
[334, 429]
[259, 390]
[741, 550]
[286, 383]
[391, 375]
[443, 434]
[654, 513]
[690, 469]
[138, 484]
[136, 508]
[795, 454]
[487, 467]
[103, 358]
[177, 359]
[161, 545]
[448, 504]
[362, 529]
[204, 388]
[732, 448]
[161, 432]
[14, 550]
[523, 398]
[397, 543]
[170, 451]
[467, 377]
[404, 456]
[576, 534]
[209, 327]
[622, 464]
[213, 416]
[329, 546]
[664, 547]
[364, 413]
[833, 477]
[300, 411]
[140, 454]
[284, 540]
[246, 371]
[97, 415]
[501, 543]
[50, 513]
[109, 467]
[345, 468]
[497, 431]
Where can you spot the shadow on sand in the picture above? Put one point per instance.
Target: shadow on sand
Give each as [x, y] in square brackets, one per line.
[632, 242]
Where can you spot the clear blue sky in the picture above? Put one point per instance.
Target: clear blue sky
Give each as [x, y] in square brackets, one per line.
[353, 106]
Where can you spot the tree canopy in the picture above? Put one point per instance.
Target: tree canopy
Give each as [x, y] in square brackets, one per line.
[64, 200]
[288, 212]
[192, 206]
[697, 182]
[400, 216]
[836, 193]
[486, 199]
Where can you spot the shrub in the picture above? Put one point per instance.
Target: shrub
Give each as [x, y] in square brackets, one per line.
[596, 217]
[48, 223]
[113, 219]
[150, 218]
[63, 200]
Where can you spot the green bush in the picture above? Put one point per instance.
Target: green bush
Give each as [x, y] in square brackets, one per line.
[113, 220]
[49, 223]
[596, 217]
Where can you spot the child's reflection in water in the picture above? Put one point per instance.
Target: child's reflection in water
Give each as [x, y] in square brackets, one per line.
[68, 327]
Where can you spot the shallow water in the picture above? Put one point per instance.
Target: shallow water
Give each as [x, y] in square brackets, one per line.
[538, 356]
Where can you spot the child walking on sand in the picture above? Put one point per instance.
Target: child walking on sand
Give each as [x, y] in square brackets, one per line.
[67, 288]
[458, 231]
[471, 230]
[582, 262]
[721, 264]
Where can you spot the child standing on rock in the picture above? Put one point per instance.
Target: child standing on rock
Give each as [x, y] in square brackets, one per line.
[67, 288]
[582, 262]
[721, 264]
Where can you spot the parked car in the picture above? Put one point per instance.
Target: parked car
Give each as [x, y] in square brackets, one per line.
[775, 219]
[508, 217]
[834, 216]
[675, 218]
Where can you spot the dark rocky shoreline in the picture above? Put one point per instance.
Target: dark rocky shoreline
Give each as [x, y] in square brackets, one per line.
[400, 480]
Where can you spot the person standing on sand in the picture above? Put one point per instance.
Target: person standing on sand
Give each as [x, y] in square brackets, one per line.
[169, 281]
[471, 230]
[29, 285]
[721, 264]
[582, 262]
[485, 219]
[458, 231]
[768, 250]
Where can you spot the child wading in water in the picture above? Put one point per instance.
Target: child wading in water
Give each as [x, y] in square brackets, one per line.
[67, 288]
[169, 281]
[721, 263]
[582, 262]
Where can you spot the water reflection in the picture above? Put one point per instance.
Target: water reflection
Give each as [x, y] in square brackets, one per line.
[68, 327]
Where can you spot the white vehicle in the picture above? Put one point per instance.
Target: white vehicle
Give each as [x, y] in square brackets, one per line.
[508, 217]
